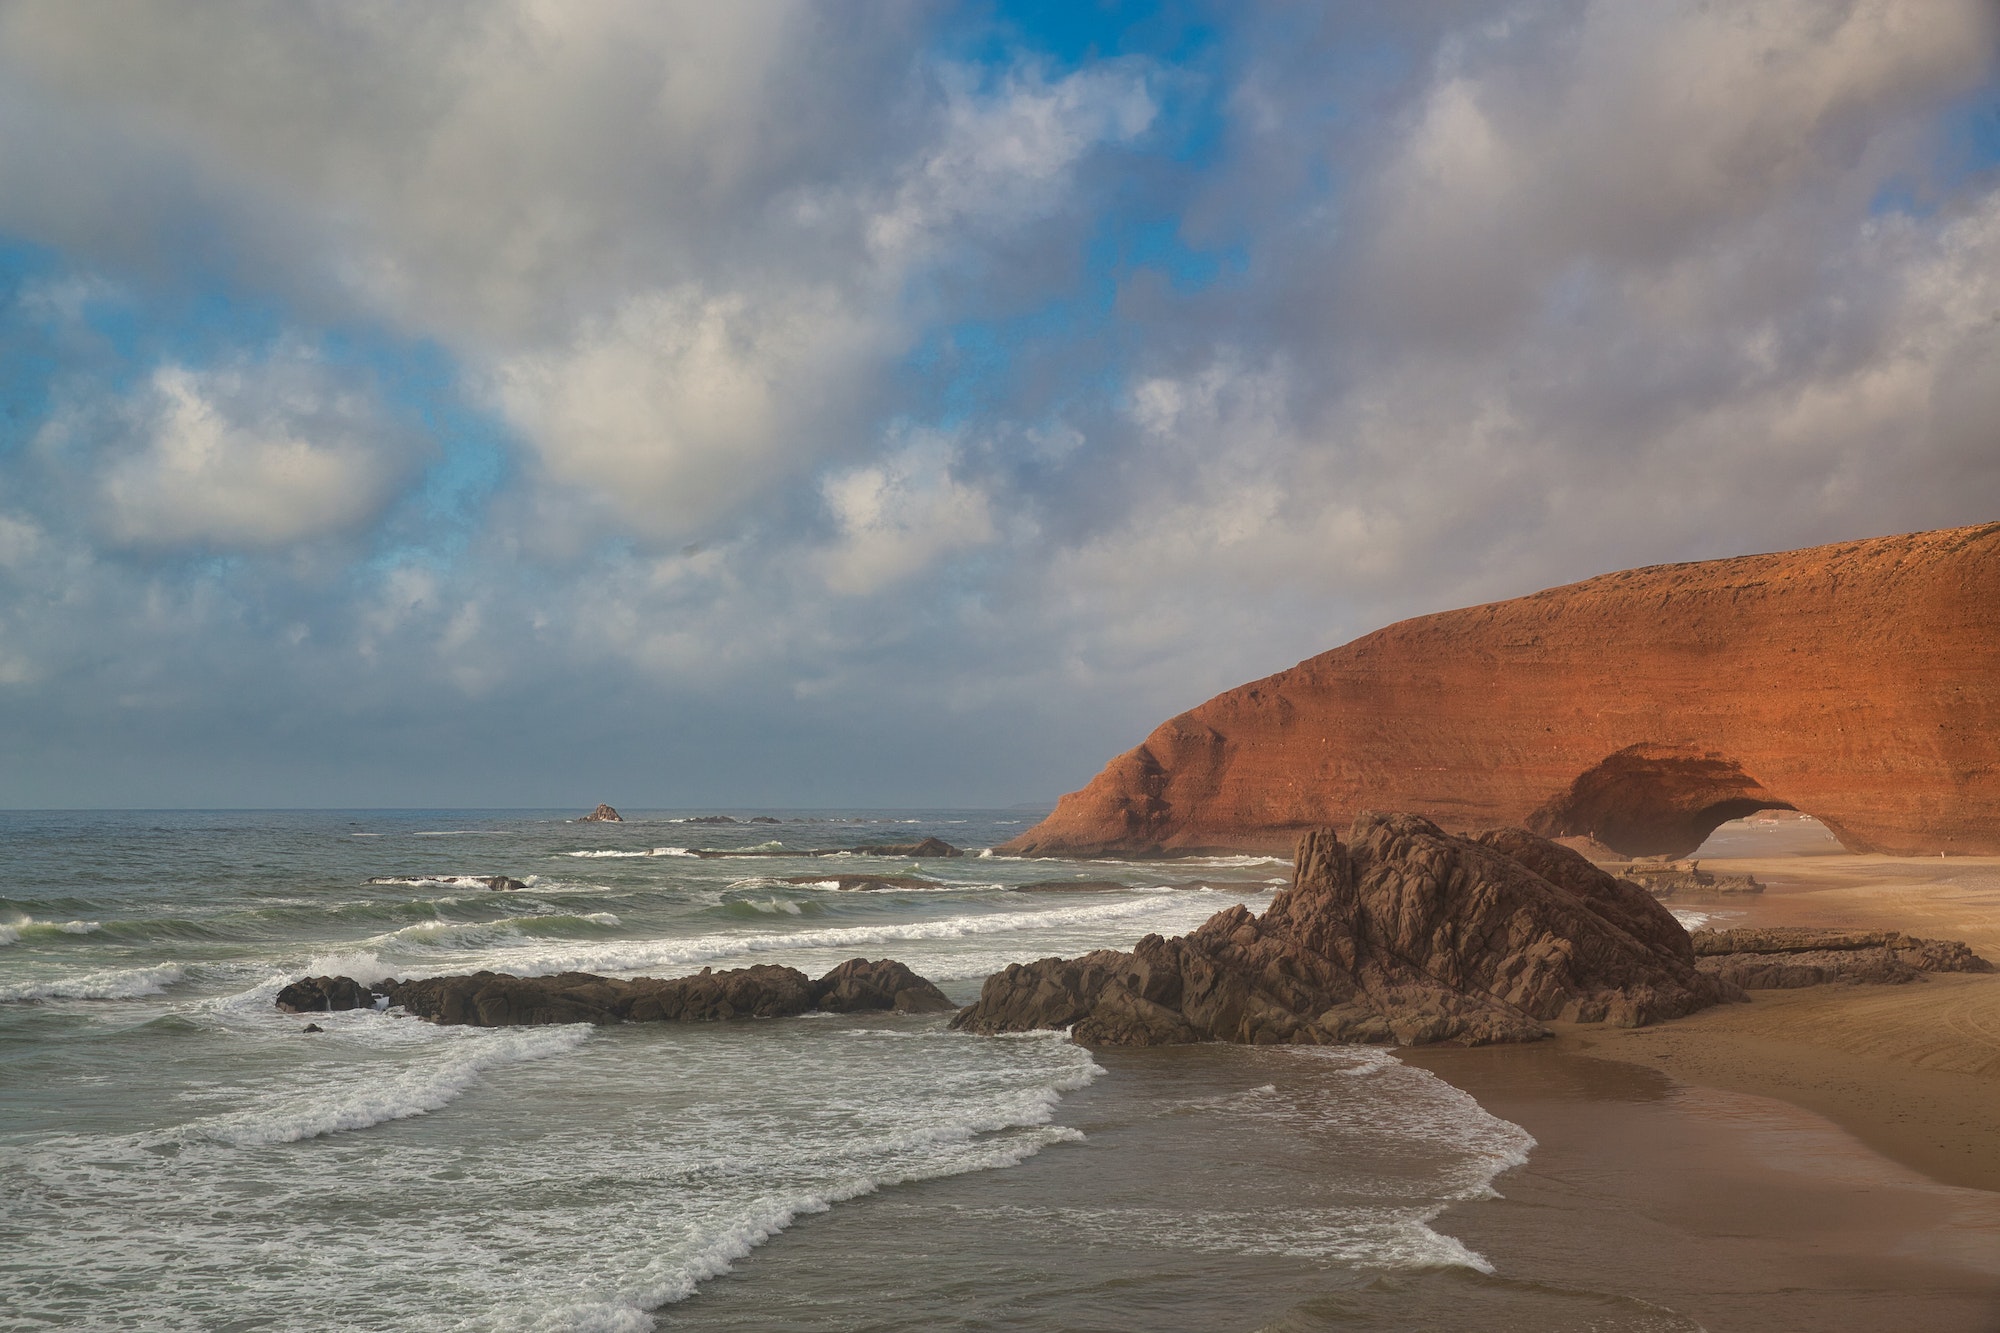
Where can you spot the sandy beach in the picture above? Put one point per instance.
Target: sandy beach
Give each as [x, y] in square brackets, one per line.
[1823, 1158]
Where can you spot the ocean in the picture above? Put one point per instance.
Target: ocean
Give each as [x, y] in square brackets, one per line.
[176, 1154]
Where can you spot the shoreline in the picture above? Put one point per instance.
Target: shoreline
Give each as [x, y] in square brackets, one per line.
[1714, 1209]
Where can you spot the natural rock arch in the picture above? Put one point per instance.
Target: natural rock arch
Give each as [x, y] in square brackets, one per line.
[1654, 800]
[1859, 683]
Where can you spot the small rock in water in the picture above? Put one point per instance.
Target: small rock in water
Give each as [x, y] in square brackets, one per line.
[711, 819]
[928, 847]
[312, 1027]
[603, 814]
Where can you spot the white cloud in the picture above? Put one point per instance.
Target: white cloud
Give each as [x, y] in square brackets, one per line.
[683, 404]
[233, 458]
[900, 516]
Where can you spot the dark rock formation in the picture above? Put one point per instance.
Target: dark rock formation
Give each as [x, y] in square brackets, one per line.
[858, 985]
[312, 1027]
[1667, 879]
[319, 995]
[764, 819]
[496, 999]
[1405, 934]
[1787, 957]
[710, 819]
[1859, 683]
[603, 814]
[929, 847]
[865, 883]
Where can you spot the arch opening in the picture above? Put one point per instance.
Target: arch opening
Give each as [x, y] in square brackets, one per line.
[1654, 800]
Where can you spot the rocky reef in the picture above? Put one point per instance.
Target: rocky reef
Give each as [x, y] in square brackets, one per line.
[1788, 957]
[1859, 683]
[603, 814]
[1403, 933]
[496, 999]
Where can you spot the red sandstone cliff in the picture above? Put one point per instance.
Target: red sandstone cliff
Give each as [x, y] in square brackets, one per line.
[1859, 683]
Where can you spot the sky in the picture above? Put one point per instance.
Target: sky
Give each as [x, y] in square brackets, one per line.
[530, 403]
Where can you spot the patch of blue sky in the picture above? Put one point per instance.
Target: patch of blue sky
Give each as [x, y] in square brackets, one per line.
[64, 331]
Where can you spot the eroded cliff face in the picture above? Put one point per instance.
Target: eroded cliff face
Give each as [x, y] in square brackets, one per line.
[1859, 683]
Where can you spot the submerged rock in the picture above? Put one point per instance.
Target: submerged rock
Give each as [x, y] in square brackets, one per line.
[1789, 957]
[497, 999]
[1405, 934]
[929, 847]
[603, 814]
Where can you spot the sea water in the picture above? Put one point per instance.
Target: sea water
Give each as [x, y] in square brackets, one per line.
[175, 1153]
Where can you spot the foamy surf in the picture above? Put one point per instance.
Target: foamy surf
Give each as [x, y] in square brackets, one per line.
[130, 983]
[372, 1097]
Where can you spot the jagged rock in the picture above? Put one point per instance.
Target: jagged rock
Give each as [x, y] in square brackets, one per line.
[858, 985]
[1405, 934]
[603, 814]
[929, 847]
[496, 999]
[319, 995]
[312, 1027]
[1859, 683]
[1788, 957]
[865, 883]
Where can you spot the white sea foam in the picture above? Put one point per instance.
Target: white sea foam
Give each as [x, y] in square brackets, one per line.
[693, 951]
[15, 927]
[656, 851]
[373, 1098]
[1689, 918]
[113, 984]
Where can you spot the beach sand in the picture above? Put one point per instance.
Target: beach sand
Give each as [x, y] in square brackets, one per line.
[1817, 1159]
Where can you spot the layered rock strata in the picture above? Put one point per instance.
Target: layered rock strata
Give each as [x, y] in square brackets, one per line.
[1788, 957]
[1859, 683]
[1404, 933]
[496, 999]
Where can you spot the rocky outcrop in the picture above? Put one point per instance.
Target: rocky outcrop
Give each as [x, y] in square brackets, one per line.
[1859, 683]
[1788, 957]
[603, 814]
[1404, 933]
[496, 999]
[319, 995]
[929, 847]
[1669, 879]
[858, 985]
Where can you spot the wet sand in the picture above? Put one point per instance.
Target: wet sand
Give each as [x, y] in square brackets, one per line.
[1717, 1210]
[1914, 1070]
[1818, 1159]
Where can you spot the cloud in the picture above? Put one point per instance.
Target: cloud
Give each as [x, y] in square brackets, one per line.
[684, 404]
[900, 517]
[796, 375]
[236, 458]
